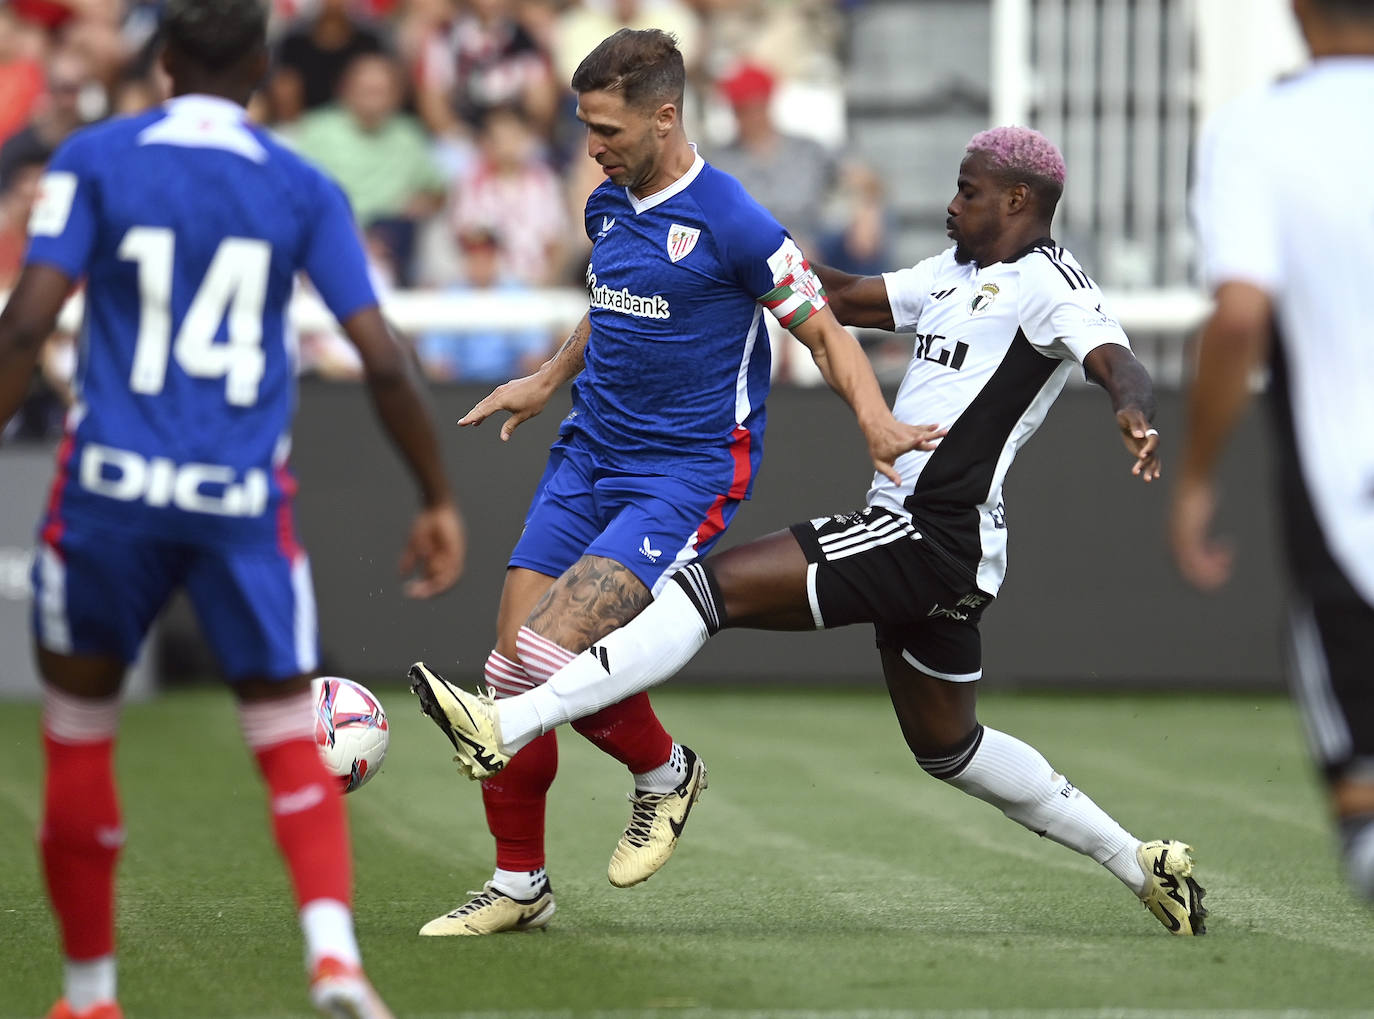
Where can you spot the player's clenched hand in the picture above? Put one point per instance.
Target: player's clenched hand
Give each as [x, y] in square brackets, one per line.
[887, 443]
[1142, 442]
[523, 398]
[437, 548]
[1202, 560]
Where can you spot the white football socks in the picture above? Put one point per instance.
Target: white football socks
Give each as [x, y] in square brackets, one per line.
[642, 653]
[1359, 855]
[667, 776]
[89, 982]
[1016, 779]
[328, 928]
[519, 884]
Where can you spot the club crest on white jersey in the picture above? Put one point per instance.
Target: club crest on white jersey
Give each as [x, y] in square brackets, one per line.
[681, 241]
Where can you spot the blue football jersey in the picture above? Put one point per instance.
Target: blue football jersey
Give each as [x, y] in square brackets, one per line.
[678, 361]
[188, 225]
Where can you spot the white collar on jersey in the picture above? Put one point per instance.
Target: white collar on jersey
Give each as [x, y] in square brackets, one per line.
[201, 105]
[675, 188]
[205, 122]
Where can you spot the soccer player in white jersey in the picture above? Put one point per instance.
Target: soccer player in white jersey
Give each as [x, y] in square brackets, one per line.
[1000, 320]
[188, 226]
[665, 435]
[1286, 222]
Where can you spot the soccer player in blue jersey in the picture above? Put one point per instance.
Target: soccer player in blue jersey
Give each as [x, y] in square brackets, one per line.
[188, 226]
[665, 436]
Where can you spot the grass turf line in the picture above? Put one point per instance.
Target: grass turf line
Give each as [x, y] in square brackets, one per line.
[822, 873]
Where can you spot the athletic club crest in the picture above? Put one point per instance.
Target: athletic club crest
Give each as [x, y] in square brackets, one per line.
[681, 241]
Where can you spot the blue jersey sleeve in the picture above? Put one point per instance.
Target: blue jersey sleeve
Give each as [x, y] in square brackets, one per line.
[62, 225]
[750, 236]
[769, 265]
[333, 257]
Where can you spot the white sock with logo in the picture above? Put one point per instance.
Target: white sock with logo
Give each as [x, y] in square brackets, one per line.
[519, 884]
[1015, 778]
[667, 776]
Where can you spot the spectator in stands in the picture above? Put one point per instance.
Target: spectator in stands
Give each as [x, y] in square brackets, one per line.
[857, 235]
[791, 177]
[379, 155]
[484, 354]
[801, 38]
[584, 23]
[512, 190]
[50, 394]
[311, 57]
[483, 59]
[71, 97]
[96, 34]
[21, 71]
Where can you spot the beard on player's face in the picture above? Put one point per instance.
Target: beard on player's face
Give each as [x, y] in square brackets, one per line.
[640, 163]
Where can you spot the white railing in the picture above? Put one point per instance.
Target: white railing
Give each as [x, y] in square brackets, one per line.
[1157, 320]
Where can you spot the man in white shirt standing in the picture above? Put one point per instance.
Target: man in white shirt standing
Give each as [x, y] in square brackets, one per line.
[1286, 219]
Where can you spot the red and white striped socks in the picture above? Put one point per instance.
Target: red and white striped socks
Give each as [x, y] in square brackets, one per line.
[308, 820]
[80, 837]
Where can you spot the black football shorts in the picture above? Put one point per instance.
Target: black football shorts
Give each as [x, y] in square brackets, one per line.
[873, 566]
[1330, 647]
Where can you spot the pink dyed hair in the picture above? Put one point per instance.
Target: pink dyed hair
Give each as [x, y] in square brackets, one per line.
[1020, 150]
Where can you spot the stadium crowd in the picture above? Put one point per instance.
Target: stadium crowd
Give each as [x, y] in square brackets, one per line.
[451, 127]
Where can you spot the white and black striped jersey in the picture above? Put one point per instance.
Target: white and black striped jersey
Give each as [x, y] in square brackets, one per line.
[1282, 201]
[994, 347]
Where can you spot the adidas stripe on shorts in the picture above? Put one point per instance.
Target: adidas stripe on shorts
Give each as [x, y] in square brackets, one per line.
[873, 566]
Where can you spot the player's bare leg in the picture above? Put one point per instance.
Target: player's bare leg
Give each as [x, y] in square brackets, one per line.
[939, 722]
[310, 826]
[81, 831]
[761, 585]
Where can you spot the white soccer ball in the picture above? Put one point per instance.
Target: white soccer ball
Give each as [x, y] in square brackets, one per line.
[351, 730]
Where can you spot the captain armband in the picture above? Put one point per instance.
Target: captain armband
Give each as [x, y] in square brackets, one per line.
[797, 293]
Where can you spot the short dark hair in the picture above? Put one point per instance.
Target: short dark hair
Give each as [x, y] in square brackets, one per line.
[215, 33]
[644, 66]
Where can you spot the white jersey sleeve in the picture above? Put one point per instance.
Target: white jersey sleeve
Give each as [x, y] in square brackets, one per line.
[908, 291]
[1234, 205]
[1063, 314]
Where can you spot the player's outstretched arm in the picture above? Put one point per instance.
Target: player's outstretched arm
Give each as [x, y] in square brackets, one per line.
[523, 398]
[29, 318]
[1234, 343]
[859, 301]
[846, 369]
[437, 544]
[1115, 369]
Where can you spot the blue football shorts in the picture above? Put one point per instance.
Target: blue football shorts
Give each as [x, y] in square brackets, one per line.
[651, 524]
[96, 591]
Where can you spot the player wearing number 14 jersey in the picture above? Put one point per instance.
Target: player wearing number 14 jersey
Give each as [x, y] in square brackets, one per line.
[188, 226]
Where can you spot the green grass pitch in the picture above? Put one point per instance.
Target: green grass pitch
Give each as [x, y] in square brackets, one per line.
[822, 874]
